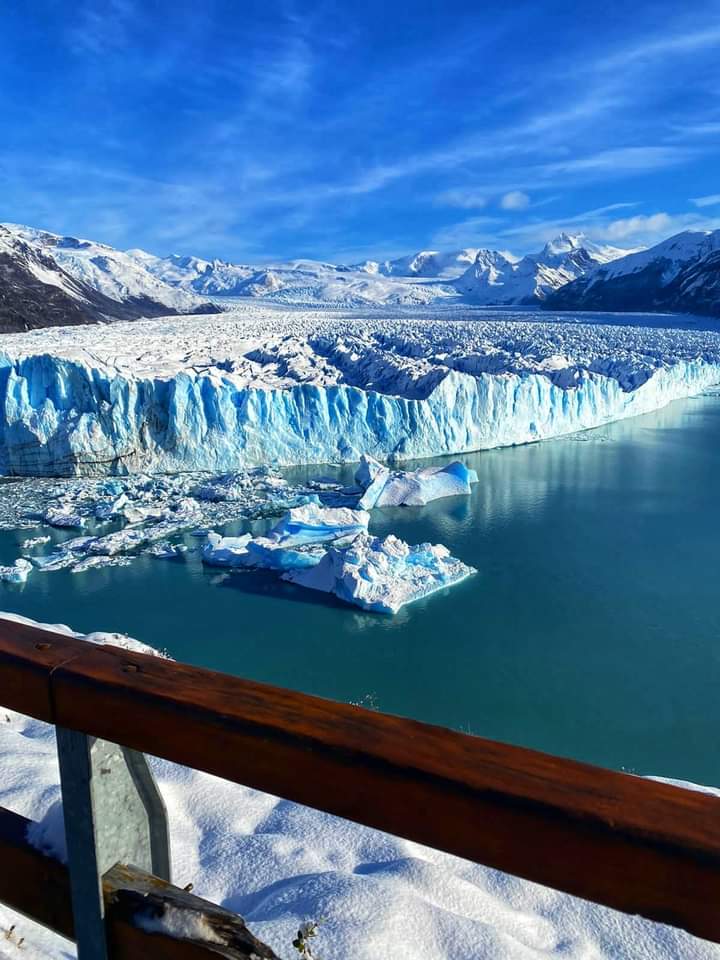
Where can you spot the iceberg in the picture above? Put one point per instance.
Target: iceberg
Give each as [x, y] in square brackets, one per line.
[258, 387]
[382, 575]
[412, 488]
[315, 524]
[225, 551]
[167, 551]
[17, 573]
[297, 541]
[33, 542]
[64, 517]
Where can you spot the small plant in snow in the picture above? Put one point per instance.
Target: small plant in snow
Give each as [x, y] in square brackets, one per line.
[12, 937]
[307, 932]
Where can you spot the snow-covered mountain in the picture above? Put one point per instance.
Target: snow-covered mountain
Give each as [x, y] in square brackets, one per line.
[36, 292]
[496, 278]
[115, 284]
[484, 276]
[680, 274]
[431, 264]
[311, 282]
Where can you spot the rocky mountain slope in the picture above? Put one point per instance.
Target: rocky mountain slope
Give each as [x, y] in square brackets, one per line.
[496, 278]
[681, 274]
[50, 280]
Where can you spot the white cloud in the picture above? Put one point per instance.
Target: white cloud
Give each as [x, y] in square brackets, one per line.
[711, 201]
[515, 200]
[465, 199]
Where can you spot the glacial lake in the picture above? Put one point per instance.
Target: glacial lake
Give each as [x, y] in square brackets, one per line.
[592, 628]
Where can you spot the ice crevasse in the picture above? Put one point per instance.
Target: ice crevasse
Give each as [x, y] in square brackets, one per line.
[61, 416]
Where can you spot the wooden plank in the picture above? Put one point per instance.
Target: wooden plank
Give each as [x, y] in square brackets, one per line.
[34, 885]
[135, 902]
[633, 844]
[28, 655]
[148, 917]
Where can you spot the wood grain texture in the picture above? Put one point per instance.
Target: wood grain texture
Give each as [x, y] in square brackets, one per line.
[633, 844]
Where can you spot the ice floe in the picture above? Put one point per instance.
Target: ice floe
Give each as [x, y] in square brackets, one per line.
[17, 573]
[382, 575]
[298, 540]
[331, 550]
[383, 488]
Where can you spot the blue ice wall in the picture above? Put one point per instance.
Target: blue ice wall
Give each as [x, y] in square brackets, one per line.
[61, 417]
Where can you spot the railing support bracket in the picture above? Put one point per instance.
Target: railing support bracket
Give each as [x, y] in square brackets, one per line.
[113, 813]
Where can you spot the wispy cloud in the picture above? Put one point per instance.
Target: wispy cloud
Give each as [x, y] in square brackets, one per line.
[712, 200]
[102, 26]
[300, 127]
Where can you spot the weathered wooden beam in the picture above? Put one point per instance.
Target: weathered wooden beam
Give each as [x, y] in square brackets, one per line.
[145, 913]
[144, 916]
[34, 885]
[626, 842]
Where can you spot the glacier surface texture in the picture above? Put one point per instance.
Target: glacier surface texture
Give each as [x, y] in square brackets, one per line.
[263, 386]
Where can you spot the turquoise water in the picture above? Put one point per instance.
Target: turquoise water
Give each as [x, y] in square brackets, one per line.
[592, 629]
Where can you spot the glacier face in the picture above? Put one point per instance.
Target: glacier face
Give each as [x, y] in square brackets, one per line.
[261, 386]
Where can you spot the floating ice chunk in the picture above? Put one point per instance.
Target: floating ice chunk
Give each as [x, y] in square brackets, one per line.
[91, 563]
[65, 554]
[236, 486]
[225, 551]
[167, 551]
[315, 524]
[267, 553]
[63, 516]
[34, 542]
[412, 488]
[371, 477]
[295, 542]
[382, 575]
[17, 573]
[114, 508]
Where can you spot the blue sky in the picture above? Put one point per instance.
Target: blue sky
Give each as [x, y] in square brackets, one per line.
[256, 131]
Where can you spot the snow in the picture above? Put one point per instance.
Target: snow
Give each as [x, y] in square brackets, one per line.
[674, 253]
[280, 864]
[425, 263]
[297, 281]
[423, 277]
[414, 488]
[496, 278]
[111, 272]
[382, 575]
[270, 386]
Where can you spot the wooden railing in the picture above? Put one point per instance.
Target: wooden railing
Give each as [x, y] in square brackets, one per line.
[629, 843]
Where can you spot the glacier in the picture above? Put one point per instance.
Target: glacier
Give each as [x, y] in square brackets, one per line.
[261, 386]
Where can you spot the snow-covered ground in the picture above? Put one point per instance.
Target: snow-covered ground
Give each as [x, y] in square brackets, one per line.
[278, 864]
[262, 385]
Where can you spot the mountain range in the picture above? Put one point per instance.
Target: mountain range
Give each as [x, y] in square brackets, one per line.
[50, 280]
[681, 274]
[47, 279]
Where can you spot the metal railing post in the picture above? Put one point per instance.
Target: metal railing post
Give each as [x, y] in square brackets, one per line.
[113, 813]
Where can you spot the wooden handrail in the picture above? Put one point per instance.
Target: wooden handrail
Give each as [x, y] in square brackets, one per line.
[626, 842]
